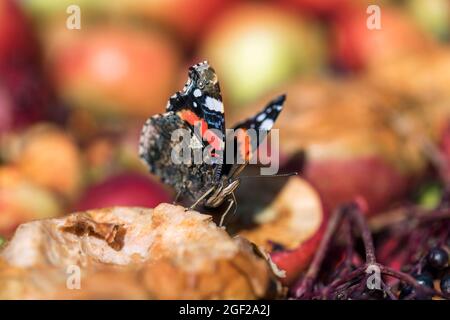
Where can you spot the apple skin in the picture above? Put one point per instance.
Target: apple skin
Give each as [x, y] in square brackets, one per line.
[255, 47]
[378, 182]
[21, 200]
[432, 15]
[112, 69]
[6, 111]
[126, 189]
[322, 8]
[294, 217]
[356, 47]
[297, 260]
[187, 19]
[48, 157]
[349, 150]
[24, 91]
[17, 42]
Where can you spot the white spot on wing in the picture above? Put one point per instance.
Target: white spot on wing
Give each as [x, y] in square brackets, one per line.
[197, 93]
[261, 117]
[214, 104]
[266, 125]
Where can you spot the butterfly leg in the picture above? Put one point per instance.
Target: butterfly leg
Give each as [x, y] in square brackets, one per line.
[200, 199]
[176, 198]
[232, 202]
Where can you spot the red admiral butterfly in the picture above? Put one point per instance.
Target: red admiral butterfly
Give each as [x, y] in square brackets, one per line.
[198, 108]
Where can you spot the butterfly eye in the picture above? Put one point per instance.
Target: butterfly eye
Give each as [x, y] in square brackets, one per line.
[201, 84]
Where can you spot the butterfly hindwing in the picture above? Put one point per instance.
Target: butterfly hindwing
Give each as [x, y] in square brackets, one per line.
[159, 152]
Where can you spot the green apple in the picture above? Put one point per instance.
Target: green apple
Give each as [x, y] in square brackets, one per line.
[432, 15]
[256, 47]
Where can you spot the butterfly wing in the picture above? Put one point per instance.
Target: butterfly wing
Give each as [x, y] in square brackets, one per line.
[198, 110]
[200, 105]
[161, 153]
[248, 135]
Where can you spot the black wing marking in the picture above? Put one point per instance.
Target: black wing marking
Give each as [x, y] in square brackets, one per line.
[245, 144]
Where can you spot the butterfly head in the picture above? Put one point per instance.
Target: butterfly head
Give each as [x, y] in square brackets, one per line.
[202, 81]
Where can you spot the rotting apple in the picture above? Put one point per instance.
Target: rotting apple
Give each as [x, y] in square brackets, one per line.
[290, 227]
[125, 189]
[349, 145]
[355, 46]
[256, 47]
[134, 253]
[421, 82]
[113, 70]
[48, 157]
[22, 200]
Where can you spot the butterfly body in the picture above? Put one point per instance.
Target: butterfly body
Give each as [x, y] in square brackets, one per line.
[198, 110]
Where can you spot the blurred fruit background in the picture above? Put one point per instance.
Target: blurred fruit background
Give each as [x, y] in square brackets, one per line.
[368, 109]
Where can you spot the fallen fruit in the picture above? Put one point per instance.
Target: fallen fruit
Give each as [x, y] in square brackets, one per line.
[22, 200]
[350, 148]
[355, 44]
[294, 221]
[49, 157]
[125, 189]
[113, 70]
[235, 42]
[124, 253]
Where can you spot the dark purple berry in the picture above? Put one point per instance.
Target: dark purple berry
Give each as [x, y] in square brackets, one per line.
[425, 279]
[438, 258]
[445, 284]
[405, 291]
[277, 247]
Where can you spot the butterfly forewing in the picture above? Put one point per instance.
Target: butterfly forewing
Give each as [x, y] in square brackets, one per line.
[248, 134]
[197, 109]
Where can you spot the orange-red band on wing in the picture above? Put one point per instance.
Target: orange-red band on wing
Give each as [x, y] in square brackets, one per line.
[244, 144]
[191, 118]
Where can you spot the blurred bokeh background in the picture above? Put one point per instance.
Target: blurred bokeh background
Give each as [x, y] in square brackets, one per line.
[363, 104]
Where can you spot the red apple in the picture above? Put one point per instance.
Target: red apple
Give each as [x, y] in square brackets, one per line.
[356, 46]
[318, 7]
[256, 47]
[188, 18]
[126, 189]
[351, 149]
[376, 180]
[296, 220]
[17, 44]
[6, 111]
[24, 92]
[113, 69]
